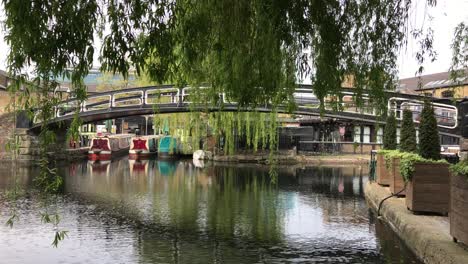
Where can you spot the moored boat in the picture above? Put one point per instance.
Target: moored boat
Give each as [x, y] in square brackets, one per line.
[143, 147]
[167, 147]
[105, 148]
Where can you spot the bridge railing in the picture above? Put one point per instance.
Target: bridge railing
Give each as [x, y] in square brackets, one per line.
[168, 95]
[446, 115]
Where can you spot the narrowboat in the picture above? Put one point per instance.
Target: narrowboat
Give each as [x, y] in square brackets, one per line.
[167, 147]
[143, 147]
[105, 148]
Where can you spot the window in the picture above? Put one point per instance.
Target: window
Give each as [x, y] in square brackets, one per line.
[379, 138]
[447, 93]
[366, 135]
[357, 134]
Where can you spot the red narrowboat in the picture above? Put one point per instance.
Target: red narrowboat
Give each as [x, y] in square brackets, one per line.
[105, 148]
[143, 147]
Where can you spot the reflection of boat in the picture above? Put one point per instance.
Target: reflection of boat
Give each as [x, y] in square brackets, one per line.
[104, 148]
[166, 168]
[198, 163]
[99, 168]
[143, 147]
[167, 147]
[141, 167]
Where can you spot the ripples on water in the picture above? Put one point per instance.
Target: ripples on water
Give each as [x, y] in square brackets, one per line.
[174, 212]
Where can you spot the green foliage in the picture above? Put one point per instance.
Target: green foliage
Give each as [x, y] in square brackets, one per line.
[459, 45]
[429, 144]
[11, 220]
[407, 161]
[390, 133]
[461, 168]
[408, 133]
[355, 146]
[248, 136]
[251, 50]
[389, 155]
[59, 236]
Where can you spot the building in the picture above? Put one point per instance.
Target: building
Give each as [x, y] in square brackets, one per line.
[97, 81]
[439, 85]
[4, 95]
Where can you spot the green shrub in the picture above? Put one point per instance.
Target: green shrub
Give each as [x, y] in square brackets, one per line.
[389, 155]
[429, 145]
[407, 161]
[408, 133]
[461, 168]
[390, 133]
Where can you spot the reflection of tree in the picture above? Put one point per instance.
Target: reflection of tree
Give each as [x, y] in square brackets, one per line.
[338, 191]
[244, 202]
[207, 210]
[8, 180]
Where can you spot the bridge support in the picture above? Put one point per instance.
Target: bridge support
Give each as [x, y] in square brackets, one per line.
[27, 139]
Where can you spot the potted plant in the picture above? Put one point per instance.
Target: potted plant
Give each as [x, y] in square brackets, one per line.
[397, 183]
[389, 143]
[407, 145]
[426, 176]
[459, 202]
[427, 183]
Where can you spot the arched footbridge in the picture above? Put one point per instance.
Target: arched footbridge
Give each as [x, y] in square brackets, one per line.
[170, 99]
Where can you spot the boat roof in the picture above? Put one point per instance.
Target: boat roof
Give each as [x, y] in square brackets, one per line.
[148, 136]
[120, 136]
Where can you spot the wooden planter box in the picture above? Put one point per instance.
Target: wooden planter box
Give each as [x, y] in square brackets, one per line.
[383, 177]
[459, 208]
[396, 180]
[429, 188]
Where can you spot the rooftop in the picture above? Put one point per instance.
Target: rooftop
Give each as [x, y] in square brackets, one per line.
[431, 81]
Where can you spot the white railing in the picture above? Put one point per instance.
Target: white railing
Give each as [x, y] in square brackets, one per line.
[446, 115]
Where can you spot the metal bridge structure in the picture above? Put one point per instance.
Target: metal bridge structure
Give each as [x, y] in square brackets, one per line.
[171, 99]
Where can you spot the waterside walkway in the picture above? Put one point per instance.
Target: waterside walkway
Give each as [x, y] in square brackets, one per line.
[427, 236]
[289, 157]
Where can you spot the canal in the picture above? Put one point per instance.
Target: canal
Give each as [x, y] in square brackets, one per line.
[176, 212]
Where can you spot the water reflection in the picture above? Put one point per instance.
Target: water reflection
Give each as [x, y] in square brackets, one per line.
[173, 211]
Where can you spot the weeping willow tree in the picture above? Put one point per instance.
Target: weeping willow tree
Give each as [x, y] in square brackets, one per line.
[254, 52]
[459, 65]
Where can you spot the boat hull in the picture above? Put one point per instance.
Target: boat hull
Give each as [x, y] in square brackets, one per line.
[141, 155]
[166, 155]
[106, 148]
[105, 155]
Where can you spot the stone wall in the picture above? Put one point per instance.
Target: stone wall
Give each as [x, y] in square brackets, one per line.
[427, 236]
[4, 101]
[359, 148]
[7, 127]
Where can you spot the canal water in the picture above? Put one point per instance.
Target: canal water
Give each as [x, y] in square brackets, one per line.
[181, 212]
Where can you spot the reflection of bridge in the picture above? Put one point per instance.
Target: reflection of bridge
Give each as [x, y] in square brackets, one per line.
[170, 99]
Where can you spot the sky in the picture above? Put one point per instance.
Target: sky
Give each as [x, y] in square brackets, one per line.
[443, 19]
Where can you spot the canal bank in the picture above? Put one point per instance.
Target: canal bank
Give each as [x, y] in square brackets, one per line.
[427, 236]
[288, 157]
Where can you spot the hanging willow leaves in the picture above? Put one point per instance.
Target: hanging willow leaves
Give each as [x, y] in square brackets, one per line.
[248, 136]
[459, 46]
[253, 51]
